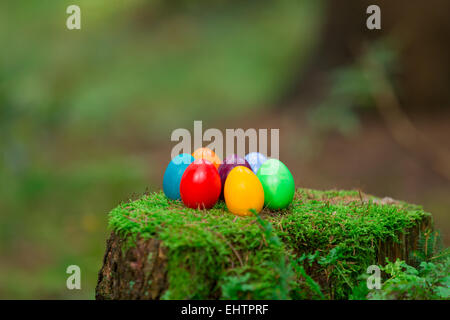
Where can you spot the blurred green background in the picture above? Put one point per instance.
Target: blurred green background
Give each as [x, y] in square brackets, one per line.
[86, 115]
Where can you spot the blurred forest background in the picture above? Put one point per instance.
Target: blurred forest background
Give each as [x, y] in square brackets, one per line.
[86, 116]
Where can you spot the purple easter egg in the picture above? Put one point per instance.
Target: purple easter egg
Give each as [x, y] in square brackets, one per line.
[227, 165]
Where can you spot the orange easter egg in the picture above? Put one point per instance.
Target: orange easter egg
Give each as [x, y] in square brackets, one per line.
[207, 154]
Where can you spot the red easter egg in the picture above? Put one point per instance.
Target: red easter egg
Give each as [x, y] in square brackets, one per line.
[200, 185]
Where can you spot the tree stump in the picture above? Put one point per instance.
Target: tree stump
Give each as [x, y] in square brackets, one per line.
[317, 248]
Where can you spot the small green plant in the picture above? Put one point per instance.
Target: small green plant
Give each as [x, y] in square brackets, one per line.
[430, 247]
[282, 269]
[430, 281]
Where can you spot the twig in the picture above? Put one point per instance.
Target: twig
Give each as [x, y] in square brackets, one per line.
[232, 248]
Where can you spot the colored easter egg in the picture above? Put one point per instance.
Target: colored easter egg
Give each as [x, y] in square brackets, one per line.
[255, 159]
[173, 174]
[227, 165]
[200, 185]
[207, 154]
[278, 184]
[243, 192]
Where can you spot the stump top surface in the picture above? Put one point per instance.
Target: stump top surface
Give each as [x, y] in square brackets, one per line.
[333, 213]
[215, 253]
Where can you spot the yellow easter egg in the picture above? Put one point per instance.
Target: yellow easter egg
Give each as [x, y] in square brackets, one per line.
[243, 192]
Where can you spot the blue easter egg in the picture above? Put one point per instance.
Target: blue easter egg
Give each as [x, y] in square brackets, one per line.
[255, 159]
[173, 174]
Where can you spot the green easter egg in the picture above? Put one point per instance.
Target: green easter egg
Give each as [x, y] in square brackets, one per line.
[278, 184]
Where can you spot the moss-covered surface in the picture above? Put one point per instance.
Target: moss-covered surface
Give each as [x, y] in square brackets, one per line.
[317, 248]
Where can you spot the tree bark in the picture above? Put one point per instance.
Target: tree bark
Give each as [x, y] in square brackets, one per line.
[136, 273]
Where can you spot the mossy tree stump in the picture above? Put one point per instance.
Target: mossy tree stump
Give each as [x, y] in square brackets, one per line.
[317, 248]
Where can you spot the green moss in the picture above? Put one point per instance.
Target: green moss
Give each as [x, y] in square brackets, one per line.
[328, 236]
